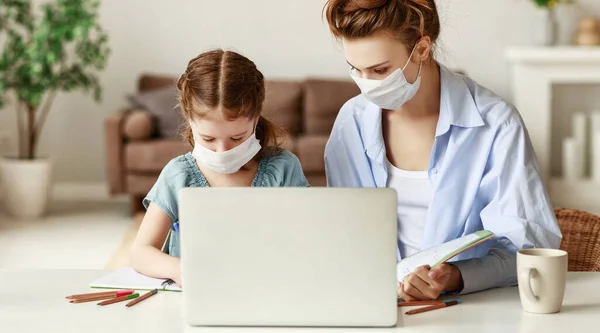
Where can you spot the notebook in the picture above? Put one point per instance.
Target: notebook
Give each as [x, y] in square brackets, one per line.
[440, 254]
[128, 278]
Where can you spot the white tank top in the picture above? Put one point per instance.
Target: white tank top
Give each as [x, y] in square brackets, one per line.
[414, 196]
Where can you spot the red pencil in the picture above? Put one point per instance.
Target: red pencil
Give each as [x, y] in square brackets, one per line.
[431, 308]
[116, 293]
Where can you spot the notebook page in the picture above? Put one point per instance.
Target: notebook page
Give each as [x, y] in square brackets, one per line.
[128, 278]
[439, 254]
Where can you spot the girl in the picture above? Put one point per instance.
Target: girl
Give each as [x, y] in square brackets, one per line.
[458, 156]
[221, 95]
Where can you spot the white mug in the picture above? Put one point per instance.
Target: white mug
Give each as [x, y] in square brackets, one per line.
[542, 275]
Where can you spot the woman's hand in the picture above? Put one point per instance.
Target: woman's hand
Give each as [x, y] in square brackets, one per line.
[427, 284]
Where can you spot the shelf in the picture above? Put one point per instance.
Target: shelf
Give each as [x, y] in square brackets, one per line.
[554, 55]
[579, 194]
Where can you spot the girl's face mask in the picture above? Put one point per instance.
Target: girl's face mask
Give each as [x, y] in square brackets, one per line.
[225, 161]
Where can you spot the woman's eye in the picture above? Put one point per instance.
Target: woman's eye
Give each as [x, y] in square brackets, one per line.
[380, 71]
[208, 140]
[236, 139]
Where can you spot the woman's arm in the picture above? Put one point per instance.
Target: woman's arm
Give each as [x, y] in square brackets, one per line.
[497, 269]
[517, 210]
[146, 255]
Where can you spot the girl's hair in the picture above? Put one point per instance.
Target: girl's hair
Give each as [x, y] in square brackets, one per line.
[406, 20]
[226, 82]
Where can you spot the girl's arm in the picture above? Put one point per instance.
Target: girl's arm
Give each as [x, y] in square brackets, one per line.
[146, 255]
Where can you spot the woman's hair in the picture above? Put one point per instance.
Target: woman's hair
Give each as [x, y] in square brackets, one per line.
[226, 82]
[405, 20]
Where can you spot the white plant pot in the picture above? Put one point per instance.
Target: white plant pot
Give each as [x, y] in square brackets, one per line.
[545, 29]
[26, 185]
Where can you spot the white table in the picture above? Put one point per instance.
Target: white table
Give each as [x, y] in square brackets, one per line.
[34, 301]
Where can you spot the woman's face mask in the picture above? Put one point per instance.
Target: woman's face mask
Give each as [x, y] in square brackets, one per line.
[386, 90]
[225, 146]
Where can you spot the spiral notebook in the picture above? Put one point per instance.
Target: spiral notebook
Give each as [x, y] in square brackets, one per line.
[128, 278]
[440, 254]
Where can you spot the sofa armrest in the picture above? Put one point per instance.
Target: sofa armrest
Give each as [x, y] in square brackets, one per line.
[115, 144]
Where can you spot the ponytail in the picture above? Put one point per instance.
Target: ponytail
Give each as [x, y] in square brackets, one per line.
[270, 135]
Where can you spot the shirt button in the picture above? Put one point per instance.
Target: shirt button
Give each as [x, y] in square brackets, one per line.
[434, 171]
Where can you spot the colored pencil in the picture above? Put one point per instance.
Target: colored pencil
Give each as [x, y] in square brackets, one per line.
[431, 308]
[91, 299]
[143, 297]
[116, 293]
[422, 303]
[119, 299]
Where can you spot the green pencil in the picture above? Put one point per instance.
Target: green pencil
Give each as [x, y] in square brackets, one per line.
[119, 299]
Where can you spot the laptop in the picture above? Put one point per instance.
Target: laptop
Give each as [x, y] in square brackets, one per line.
[313, 257]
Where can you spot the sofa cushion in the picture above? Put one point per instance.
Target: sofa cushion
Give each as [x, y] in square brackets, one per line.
[162, 104]
[322, 102]
[153, 155]
[283, 104]
[138, 125]
[310, 150]
[149, 82]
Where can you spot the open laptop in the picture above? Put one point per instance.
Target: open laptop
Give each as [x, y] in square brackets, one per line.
[289, 256]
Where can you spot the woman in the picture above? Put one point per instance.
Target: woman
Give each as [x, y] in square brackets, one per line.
[458, 156]
[221, 95]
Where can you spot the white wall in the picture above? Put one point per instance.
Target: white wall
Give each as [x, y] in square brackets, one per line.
[287, 39]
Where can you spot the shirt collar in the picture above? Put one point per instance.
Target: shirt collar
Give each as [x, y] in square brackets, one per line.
[457, 108]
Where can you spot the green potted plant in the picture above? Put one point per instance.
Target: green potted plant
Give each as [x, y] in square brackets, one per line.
[58, 46]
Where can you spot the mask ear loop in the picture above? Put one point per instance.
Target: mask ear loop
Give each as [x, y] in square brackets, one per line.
[410, 57]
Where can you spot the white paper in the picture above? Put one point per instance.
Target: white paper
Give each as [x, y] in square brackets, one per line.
[128, 278]
[433, 255]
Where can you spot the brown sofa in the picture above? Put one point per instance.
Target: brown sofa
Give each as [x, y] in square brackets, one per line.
[135, 156]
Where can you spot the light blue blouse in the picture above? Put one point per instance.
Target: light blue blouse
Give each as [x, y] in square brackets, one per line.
[278, 170]
[482, 168]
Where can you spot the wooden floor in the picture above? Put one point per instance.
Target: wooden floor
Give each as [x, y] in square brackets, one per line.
[121, 257]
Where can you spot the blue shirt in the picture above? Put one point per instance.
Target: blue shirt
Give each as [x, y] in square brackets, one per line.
[482, 169]
[280, 169]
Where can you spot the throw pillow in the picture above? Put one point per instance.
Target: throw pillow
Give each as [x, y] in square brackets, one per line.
[163, 106]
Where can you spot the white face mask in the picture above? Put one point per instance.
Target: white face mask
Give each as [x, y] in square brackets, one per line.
[393, 91]
[230, 161]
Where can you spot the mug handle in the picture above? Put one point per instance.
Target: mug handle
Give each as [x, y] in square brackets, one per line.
[527, 290]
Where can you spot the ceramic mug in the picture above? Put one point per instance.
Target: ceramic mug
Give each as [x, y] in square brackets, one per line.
[542, 275]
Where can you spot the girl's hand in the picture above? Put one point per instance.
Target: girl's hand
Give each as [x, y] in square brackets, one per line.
[176, 272]
[178, 281]
[427, 284]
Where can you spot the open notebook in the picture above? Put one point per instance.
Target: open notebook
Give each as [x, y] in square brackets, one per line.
[128, 278]
[440, 254]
